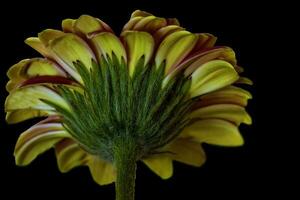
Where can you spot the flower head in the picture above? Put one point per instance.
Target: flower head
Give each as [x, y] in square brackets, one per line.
[154, 94]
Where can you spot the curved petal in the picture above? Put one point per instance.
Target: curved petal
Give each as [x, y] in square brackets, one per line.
[86, 25]
[211, 76]
[149, 24]
[227, 95]
[102, 172]
[106, 44]
[160, 164]
[31, 97]
[37, 140]
[49, 35]
[205, 41]
[218, 53]
[136, 16]
[173, 21]
[244, 80]
[230, 112]
[69, 155]
[17, 116]
[139, 13]
[28, 68]
[214, 131]
[163, 32]
[71, 48]
[187, 151]
[143, 21]
[68, 25]
[174, 48]
[130, 24]
[36, 44]
[138, 44]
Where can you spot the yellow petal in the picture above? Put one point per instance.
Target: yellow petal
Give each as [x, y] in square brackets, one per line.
[227, 95]
[230, 112]
[163, 32]
[173, 21]
[155, 25]
[220, 53]
[86, 25]
[244, 80]
[140, 13]
[69, 155]
[30, 98]
[142, 23]
[130, 24]
[17, 116]
[214, 131]
[205, 41]
[211, 76]
[70, 48]
[68, 25]
[49, 35]
[37, 45]
[102, 172]
[149, 24]
[174, 48]
[28, 68]
[160, 164]
[107, 44]
[188, 152]
[37, 140]
[138, 44]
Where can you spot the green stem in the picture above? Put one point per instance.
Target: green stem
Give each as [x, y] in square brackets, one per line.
[125, 163]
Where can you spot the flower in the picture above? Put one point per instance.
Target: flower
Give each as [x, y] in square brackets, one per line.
[155, 94]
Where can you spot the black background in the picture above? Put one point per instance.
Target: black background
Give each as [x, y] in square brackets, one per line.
[234, 173]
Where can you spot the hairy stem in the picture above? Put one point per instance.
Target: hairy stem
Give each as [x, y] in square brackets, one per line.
[125, 163]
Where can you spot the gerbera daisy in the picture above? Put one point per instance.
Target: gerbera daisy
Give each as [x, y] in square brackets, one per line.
[154, 94]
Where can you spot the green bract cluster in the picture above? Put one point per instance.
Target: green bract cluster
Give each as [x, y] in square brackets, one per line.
[114, 106]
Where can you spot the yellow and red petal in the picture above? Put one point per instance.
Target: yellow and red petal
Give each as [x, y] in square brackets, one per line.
[149, 24]
[143, 21]
[86, 25]
[69, 49]
[244, 80]
[160, 164]
[130, 24]
[29, 68]
[68, 25]
[138, 45]
[37, 140]
[187, 151]
[173, 21]
[227, 95]
[139, 13]
[105, 44]
[48, 35]
[205, 41]
[31, 97]
[37, 45]
[174, 48]
[218, 53]
[102, 171]
[69, 155]
[17, 116]
[163, 32]
[214, 131]
[212, 76]
[230, 112]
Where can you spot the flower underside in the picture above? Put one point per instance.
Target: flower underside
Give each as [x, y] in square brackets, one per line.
[113, 105]
[155, 93]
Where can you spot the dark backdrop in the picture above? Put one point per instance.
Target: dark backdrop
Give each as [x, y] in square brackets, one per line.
[234, 173]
